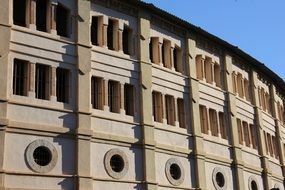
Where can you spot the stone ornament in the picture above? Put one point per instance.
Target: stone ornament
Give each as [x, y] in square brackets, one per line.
[219, 179]
[108, 167]
[251, 180]
[174, 164]
[31, 160]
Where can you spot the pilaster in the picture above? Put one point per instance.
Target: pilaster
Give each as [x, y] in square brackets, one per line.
[83, 96]
[277, 127]
[261, 141]
[195, 114]
[146, 103]
[232, 113]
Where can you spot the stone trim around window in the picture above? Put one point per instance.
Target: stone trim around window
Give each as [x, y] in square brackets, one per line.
[30, 156]
[108, 167]
[250, 180]
[174, 162]
[219, 172]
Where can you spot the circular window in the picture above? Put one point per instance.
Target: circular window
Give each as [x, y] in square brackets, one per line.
[252, 183]
[116, 163]
[41, 156]
[174, 171]
[219, 179]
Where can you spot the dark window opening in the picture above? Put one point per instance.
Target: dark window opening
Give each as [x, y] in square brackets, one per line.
[62, 20]
[19, 12]
[181, 113]
[41, 15]
[170, 110]
[62, 85]
[42, 156]
[94, 31]
[110, 35]
[151, 50]
[114, 96]
[97, 93]
[20, 77]
[175, 171]
[129, 99]
[157, 106]
[117, 163]
[42, 82]
[220, 179]
[127, 40]
[253, 185]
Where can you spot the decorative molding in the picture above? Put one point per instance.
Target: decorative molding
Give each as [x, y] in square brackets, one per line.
[30, 156]
[208, 45]
[169, 163]
[158, 21]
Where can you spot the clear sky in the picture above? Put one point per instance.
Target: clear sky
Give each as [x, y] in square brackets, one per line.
[255, 26]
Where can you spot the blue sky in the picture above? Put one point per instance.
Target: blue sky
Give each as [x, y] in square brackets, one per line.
[255, 26]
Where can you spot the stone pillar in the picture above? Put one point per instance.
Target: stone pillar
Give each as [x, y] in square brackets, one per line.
[232, 112]
[164, 110]
[176, 112]
[32, 14]
[5, 77]
[122, 106]
[259, 127]
[106, 103]
[83, 132]
[278, 128]
[172, 57]
[53, 18]
[32, 77]
[53, 84]
[199, 154]
[147, 125]
[160, 43]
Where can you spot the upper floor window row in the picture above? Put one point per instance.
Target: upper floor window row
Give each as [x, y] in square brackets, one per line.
[166, 54]
[280, 113]
[111, 35]
[264, 100]
[212, 122]
[247, 134]
[43, 16]
[241, 86]
[169, 109]
[208, 70]
[38, 79]
[115, 96]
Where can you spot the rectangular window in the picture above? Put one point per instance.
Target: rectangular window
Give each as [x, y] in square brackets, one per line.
[239, 85]
[213, 122]
[62, 85]
[97, 33]
[223, 129]
[97, 95]
[114, 96]
[112, 35]
[157, 106]
[127, 40]
[19, 12]
[41, 15]
[177, 57]
[203, 119]
[217, 74]
[154, 50]
[199, 67]
[275, 147]
[240, 131]
[62, 20]
[234, 83]
[42, 81]
[266, 142]
[166, 54]
[253, 134]
[170, 110]
[246, 133]
[20, 77]
[129, 99]
[181, 112]
[208, 70]
[247, 89]
[270, 145]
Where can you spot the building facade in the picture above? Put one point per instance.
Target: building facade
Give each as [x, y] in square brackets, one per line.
[118, 94]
